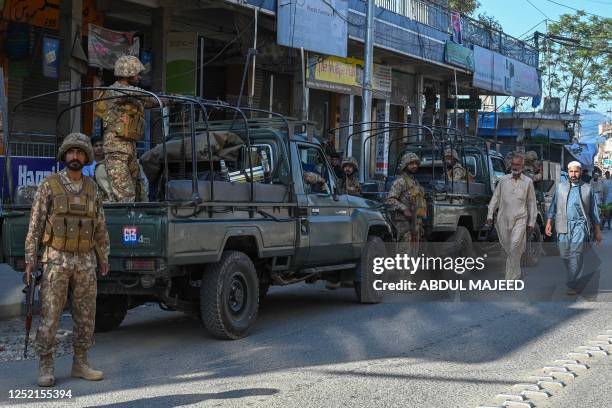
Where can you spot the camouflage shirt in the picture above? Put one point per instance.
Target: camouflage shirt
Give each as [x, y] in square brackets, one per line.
[406, 192]
[112, 142]
[42, 208]
[350, 185]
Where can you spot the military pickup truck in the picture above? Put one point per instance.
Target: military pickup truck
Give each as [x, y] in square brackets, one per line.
[211, 246]
[457, 210]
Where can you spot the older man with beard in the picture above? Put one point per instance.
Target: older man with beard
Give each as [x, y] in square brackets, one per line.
[514, 197]
[576, 216]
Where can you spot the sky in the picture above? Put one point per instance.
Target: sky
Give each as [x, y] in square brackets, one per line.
[518, 17]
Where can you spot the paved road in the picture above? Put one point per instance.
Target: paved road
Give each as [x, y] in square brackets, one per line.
[317, 348]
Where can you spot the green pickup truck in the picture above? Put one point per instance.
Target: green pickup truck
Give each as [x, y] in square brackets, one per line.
[210, 246]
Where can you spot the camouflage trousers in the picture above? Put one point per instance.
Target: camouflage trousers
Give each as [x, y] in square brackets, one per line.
[409, 242]
[56, 281]
[124, 176]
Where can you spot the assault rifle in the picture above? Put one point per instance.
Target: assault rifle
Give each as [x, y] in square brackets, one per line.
[29, 290]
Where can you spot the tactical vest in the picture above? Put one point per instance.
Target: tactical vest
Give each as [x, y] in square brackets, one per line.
[70, 226]
[125, 119]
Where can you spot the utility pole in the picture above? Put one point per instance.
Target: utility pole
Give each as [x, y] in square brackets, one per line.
[366, 105]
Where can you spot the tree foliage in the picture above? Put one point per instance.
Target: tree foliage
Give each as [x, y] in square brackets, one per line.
[465, 7]
[577, 72]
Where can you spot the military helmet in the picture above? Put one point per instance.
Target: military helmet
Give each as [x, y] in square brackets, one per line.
[451, 152]
[351, 161]
[531, 156]
[408, 158]
[78, 140]
[128, 66]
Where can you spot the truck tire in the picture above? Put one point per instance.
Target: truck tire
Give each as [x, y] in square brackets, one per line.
[229, 296]
[461, 246]
[110, 312]
[533, 249]
[375, 247]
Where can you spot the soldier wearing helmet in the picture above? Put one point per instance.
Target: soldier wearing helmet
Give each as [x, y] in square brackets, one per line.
[407, 199]
[454, 170]
[349, 183]
[122, 112]
[532, 166]
[68, 220]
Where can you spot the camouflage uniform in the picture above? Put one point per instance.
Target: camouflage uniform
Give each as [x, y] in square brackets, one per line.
[123, 118]
[407, 193]
[531, 168]
[63, 269]
[350, 184]
[457, 172]
[313, 179]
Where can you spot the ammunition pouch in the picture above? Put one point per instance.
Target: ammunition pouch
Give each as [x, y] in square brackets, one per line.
[71, 225]
[126, 119]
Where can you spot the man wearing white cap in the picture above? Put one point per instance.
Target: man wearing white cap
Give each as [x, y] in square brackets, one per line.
[514, 196]
[576, 216]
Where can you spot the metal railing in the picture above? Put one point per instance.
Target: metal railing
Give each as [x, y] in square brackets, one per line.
[32, 149]
[474, 32]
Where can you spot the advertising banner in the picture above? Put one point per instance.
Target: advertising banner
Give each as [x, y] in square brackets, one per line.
[506, 76]
[51, 57]
[182, 66]
[27, 170]
[316, 25]
[345, 75]
[105, 46]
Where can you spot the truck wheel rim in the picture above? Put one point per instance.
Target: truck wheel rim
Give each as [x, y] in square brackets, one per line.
[237, 295]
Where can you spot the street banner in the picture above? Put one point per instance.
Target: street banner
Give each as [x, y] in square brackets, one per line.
[51, 57]
[503, 75]
[315, 25]
[457, 27]
[382, 145]
[106, 46]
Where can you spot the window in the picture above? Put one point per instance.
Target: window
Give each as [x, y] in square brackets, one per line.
[499, 167]
[315, 172]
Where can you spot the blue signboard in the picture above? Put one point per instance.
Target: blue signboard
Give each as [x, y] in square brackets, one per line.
[51, 48]
[27, 171]
[316, 25]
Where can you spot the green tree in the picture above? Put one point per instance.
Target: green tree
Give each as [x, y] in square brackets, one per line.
[577, 70]
[465, 7]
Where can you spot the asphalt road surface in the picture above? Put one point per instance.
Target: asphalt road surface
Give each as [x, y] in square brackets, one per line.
[313, 347]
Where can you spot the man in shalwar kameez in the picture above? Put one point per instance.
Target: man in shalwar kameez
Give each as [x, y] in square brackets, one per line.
[576, 216]
[514, 196]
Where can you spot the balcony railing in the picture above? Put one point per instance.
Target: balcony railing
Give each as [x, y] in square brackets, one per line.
[474, 32]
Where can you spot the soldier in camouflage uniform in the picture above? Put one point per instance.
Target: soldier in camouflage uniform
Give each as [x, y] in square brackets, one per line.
[123, 118]
[531, 168]
[317, 183]
[407, 200]
[349, 183]
[454, 170]
[68, 220]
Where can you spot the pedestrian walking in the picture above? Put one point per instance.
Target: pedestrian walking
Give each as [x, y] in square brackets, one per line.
[515, 203]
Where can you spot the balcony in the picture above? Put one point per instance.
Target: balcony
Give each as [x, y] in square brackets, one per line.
[419, 28]
[474, 32]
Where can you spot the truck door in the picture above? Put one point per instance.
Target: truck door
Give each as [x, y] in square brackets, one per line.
[328, 218]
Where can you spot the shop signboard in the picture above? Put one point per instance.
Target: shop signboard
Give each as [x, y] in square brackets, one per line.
[503, 75]
[316, 25]
[181, 65]
[459, 55]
